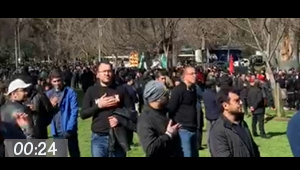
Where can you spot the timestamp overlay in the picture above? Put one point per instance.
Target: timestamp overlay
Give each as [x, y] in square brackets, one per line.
[36, 148]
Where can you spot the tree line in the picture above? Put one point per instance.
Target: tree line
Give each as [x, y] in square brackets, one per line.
[71, 38]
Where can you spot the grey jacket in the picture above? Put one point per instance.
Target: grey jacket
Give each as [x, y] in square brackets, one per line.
[7, 111]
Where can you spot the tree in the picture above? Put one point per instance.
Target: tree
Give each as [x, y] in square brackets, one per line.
[266, 35]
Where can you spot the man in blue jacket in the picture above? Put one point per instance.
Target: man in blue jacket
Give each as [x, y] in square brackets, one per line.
[64, 123]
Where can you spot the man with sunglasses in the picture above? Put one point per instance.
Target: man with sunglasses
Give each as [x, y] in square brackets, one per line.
[64, 123]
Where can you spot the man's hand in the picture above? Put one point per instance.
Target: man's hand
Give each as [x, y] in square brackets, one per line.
[21, 118]
[54, 101]
[113, 122]
[172, 129]
[31, 107]
[105, 102]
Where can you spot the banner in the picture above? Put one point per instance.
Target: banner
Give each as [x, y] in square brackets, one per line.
[141, 61]
[164, 61]
[134, 59]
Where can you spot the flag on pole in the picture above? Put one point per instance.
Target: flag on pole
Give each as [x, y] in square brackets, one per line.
[231, 66]
[141, 61]
[163, 60]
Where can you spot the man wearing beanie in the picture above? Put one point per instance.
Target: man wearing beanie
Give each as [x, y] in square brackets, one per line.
[158, 134]
[64, 123]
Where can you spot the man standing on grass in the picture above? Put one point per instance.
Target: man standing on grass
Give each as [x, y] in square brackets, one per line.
[212, 109]
[182, 109]
[229, 135]
[64, 123]
[256, 103]
[157, 134]
[100, 102]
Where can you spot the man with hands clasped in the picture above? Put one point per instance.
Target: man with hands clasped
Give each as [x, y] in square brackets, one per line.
[157, 134]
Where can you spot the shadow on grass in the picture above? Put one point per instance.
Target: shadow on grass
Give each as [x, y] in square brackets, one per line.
[269, 118]
[274, 134]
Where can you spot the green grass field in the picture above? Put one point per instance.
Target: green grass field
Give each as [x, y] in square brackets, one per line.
[276, 146]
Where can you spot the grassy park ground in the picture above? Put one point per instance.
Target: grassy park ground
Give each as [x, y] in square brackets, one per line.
[276, 146]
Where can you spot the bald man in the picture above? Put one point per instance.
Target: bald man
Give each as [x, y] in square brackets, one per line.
[182, 109]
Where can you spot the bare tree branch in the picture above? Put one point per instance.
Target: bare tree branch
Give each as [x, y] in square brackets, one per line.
[254, 35]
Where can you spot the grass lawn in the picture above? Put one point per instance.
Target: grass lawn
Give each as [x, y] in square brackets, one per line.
[276, 146]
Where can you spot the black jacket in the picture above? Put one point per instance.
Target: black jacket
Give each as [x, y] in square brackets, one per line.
[182, 106]
[120, 134]
[100, 123]
[226, 141]
[256, 100]
[42, 114]
[212, 107]
[151, 128]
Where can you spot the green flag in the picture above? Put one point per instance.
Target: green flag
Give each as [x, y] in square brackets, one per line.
[141, 61]
[164, 62]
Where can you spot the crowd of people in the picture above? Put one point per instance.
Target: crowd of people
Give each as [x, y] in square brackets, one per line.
[167, 109]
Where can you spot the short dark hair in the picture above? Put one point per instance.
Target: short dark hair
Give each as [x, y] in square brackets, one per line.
[161, 72]
[56, 73]
[223, 96]
[129, 77]
[104, 62]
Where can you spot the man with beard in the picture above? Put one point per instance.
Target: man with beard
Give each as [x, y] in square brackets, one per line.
[17, 94]
[157, 134]
[100, 101]
[229, 135]
[256, 103]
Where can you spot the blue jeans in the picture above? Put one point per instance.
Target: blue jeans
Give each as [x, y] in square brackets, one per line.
[99, 147]
[73, 145]
[188, 143]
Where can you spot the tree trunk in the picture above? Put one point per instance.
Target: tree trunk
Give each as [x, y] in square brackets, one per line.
[19, 42]
[276, 91]
[174, 54]
[16, 44]
[58, 51]
[294, 44]
[203, 52]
